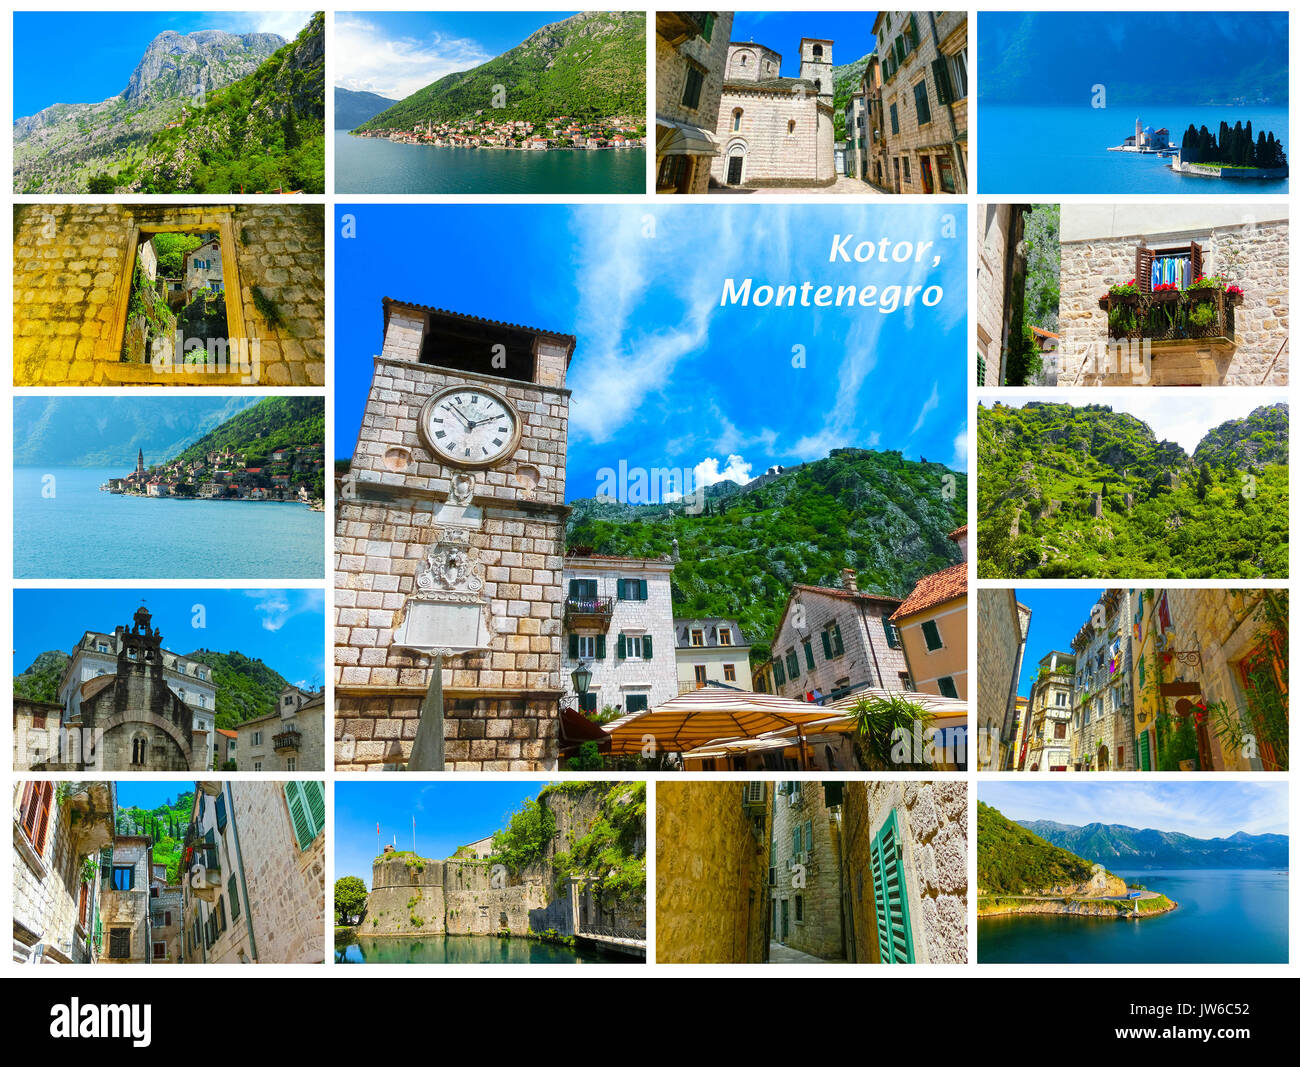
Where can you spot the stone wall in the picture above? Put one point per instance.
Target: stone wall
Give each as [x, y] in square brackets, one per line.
[998, 649]
[774, 154]
[128, 908]
[711, 897]
[671, 64]
[867, 657]
[813, 876]
[1253, 255]
[933, 829]
[73, 269]
[995, 248]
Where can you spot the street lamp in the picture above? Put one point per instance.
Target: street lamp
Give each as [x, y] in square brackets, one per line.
[581, 680]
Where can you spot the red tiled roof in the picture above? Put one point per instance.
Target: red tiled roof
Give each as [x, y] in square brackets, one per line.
[847, 594]
[959, 532]
[934, 589]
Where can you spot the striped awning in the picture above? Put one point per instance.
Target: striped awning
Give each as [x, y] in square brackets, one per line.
[682, 139]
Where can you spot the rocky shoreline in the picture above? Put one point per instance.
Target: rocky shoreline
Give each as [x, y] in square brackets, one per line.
[1080, 906]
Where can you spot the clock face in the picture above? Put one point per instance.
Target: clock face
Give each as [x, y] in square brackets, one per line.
[469, 426]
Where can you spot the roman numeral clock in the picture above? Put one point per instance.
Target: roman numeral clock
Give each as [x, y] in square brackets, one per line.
[449, 549]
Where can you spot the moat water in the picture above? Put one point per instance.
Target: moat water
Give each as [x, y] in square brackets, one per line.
[1223, 916]
[1047, 150]
[377, 165]
[458, 948]
[65, 527]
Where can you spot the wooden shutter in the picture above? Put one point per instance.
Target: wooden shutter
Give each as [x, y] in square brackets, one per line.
[643, 592]
[942, 80]
[30, 809]
[647, 647]
[1142, 270]
[808, 655]
[1196, 261]
[893, 924]
[600, 646]
[315, 794]
[573, 646]
[298, 814]
[826, 643]
[44, 804]
[1144, 750]
[622, 646]
[573, 588]
[839, 639]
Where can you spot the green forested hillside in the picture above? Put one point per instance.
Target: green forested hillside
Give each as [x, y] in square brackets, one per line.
[264, 133]
[846, 80]
[246, 688]
[885, 516]
[591, 65]
[41, 680]
[1046, 470]
[1011, 860]
[165, 824]
[276, 422]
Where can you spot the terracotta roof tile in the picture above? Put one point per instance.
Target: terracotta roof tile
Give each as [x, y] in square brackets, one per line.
[934, 589]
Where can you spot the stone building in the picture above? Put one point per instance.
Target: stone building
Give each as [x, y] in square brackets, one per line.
[1102, 734]
[618, 621]
[931, 626]
[227, 750]
[904, 849]
[139, 716]
[73, 271]
[58, 832]
[865, 127]
[831, 641]
[690, 59]
[999, 287]
[166, 920]
[712, 896]
[711, 651]
[776, 131]
[1001, 629]
[924, 88]
[472, 534]
[1154, 338]
[254, 887]
[202, 267]
[125, 898]
[1051, 714]
[805, 860]
[291, 738]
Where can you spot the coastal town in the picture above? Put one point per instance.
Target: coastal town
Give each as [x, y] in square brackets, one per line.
[287, 475]
[560, 133]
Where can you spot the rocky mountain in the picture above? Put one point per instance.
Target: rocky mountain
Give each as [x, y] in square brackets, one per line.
[351, 108]
[1088, 492]
[63, 147]
[885, 516]
[1013, 859]
[1129, 848]
[590, 65]
[262, 133]
[64, 431]
[846, 80]
[40, 681]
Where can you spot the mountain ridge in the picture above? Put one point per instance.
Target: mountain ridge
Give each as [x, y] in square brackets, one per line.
[1118, 845]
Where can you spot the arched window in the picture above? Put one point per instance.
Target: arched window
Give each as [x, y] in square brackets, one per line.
[817, 51]
[139, 749]
[735, 119]
[789, 129]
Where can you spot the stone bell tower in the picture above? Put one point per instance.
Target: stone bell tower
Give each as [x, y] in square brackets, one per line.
[815, 66]
[450, 539]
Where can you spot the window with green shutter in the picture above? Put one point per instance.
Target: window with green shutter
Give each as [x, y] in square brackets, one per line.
[921, 97]
[826, 644]
[892, 638]
[306, 801]
[947, 687]
[600, 646]
[889, 880]
[792, 664]
[797, 840]
[808, 654]
[647, 647]
[622, 646]
[573, 646]
[1144, 750]
[930, 631]
[232, 890]
[778, 672]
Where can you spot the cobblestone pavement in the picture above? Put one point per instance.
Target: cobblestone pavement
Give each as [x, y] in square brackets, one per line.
[842, 185]
[778, 953]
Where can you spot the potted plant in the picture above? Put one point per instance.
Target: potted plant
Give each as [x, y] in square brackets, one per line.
[1120, 295]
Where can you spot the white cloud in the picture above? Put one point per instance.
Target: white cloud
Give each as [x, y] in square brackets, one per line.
[366, 60]
[277, 606]
[930, 404]
[960, 456]
[709, 471]
[288, 24]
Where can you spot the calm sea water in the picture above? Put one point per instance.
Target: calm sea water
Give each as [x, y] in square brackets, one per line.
[1063, 149]
[373, 165]
[457, 948]
[1223, 916]
[83, 533]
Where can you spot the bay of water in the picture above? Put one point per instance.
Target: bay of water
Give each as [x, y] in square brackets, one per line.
[1223, 916]
[375, 165]
[1049, 150]
[81, 532]
[459, 948]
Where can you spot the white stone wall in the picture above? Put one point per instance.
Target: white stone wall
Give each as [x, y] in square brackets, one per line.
[865, 646]
[773, 152]
[816, 878]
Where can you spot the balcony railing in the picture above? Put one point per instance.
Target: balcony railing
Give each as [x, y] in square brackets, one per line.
[593, 611]
[1174, 315]
[287, 739]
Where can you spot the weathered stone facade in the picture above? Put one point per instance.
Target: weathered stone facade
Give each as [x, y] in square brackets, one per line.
[124, 901]
[1002, 628]
[73, 267]
[713, 842]
[931, 821]
[806, 899]
[776, 131]
[712, 650]
[56, 831]
[1102, 734]
[291, 738]
[399, 503]
[690, 47]
[1099, 249]
[1049, 741]
[999, 285]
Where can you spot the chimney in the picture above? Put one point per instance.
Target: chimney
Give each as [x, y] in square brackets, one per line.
[849, 579]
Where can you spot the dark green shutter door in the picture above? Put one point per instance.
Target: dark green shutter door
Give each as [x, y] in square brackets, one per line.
[942, 82]
[600, 646]
[315, 794]
[573, 646]
[622, 647]
[1144, 749]
[643, 591]
[893, 924]
[297, 813]
[826, 643]
[647, 648]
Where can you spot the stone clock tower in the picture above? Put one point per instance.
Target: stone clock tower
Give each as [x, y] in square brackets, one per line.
[454, 503]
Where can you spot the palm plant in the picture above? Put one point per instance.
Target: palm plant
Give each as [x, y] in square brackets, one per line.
[887, 733]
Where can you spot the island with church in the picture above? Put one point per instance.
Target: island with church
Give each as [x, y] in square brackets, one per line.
[273, 451]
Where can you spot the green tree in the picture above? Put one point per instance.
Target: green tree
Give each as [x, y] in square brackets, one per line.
[349, 899]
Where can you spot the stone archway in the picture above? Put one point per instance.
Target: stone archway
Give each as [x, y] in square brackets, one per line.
[737, 156]
[129, 719]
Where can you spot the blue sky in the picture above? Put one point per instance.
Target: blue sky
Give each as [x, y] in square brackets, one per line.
[394, 53]
[1057, 616]
[447, 815]
[285, 628]
[850, 32]
[102, 49]
[662, 376]
[1198, 808]
[148, 795]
